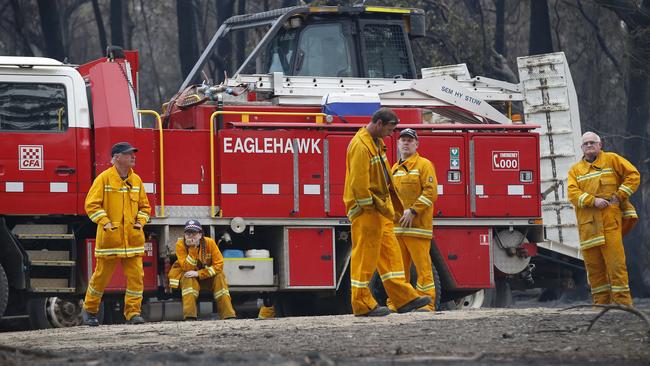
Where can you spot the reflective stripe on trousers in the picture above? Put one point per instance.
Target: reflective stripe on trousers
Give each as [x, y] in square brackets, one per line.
[132, 267]
[374, 247]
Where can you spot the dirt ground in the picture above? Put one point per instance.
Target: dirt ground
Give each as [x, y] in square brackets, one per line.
[530, 336]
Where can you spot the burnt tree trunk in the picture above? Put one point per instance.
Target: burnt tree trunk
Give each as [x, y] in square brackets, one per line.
[240, 41]
[19, 25]
[188, 45]
[221, 59]
[117, 32]
[499, 31]
[100, 25]
[540, 40]
[51, 27]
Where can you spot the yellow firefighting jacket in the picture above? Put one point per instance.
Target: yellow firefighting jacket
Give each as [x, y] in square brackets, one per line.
[123, 203]
[609, 174]
[206, 259]
[366, 187]
[417, 187]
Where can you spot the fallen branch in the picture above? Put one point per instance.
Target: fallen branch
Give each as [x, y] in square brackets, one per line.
[608, 307]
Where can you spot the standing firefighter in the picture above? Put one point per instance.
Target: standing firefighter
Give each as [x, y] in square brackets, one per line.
[118, 204]
[369, 197]
[599, 187]
[417, 187]
[199, 266]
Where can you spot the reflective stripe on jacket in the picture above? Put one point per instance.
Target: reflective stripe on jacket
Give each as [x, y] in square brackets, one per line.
[122, 203]
[417, 187]
[366, 187]
[207, 260]
[609, 174]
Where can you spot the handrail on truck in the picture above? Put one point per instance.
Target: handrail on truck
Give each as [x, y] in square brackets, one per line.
[245, 118]
[162, 161]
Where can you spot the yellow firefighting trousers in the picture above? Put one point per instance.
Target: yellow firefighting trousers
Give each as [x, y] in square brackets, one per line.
[374, 247]
[134, 273]
[190, 288]
[416, 250]
[266, 312]
[605, 264]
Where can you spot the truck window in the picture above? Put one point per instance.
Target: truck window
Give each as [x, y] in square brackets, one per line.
[33, 107]
[323, 51]
[386, 53]
[282, 50]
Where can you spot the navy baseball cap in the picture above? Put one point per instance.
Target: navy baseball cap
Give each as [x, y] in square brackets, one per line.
[409, 132]
[193, 225]
[122, 147]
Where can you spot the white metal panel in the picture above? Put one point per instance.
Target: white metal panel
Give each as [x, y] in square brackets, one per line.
[58, 187]
[189, 188]
[550, 100]
[270, 188]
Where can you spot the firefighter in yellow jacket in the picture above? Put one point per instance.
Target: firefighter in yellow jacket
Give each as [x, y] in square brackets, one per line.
[417, 187]
[118, 204]
[599, 187]
[369, 197]
[199, 265]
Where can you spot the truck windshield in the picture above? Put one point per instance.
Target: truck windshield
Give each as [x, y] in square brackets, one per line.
[32, 107]
[323, 51]
[386, 52]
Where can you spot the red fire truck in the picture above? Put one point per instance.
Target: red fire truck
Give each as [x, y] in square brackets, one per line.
[259, 159]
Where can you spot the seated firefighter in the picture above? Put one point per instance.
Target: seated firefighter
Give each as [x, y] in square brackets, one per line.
[199, 266]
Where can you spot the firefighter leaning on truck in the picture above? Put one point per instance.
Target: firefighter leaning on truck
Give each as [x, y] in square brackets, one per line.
[599, 187]
[118, 204]
[371, 203]
[417, 187]
[199, 265]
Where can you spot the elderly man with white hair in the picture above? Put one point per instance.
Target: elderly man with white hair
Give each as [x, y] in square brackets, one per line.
[599, 187]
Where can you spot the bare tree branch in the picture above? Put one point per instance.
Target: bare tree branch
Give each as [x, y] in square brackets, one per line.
[599, 37]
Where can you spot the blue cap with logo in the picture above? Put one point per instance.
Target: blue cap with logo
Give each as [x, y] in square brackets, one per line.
[193, 225]
[408, 132]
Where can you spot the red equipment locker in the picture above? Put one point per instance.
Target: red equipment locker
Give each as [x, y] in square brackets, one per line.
[506, 175]
[466, 250]
[309, 254]
[449, 157]
[118, 281]
[266, 173]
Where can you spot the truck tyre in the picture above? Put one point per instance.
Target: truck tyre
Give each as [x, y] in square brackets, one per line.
[36, 309]
[378, 291]
[4, 291]
[500, 296]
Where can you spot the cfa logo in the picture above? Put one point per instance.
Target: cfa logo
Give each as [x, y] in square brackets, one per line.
[31, 157]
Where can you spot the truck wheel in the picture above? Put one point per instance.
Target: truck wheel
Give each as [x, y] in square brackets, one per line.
[4, 291]
[36, 309]
[63, 312]
[378, 291]
[473, 301]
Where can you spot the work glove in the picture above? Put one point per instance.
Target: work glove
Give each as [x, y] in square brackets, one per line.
[191, 274]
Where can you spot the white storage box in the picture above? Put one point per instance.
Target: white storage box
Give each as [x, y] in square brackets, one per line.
[248, 271]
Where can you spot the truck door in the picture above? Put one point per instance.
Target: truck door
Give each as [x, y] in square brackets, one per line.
[38, 162]
[506, 175]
